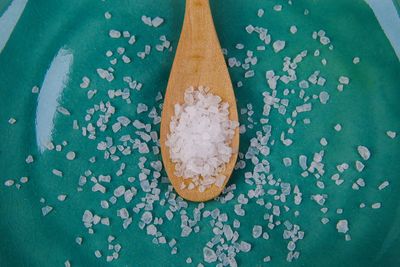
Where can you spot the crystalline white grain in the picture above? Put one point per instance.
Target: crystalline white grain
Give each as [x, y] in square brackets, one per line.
[119, 191]
[376, 205]
[35, 89]
[257, 231]
[278, 8]
[107, 15]
[244, 246]
[97, 253]
[338, 127]
[61, 197]
[287, 161]
[391, 134]
[342, 226]
[293, 29]
[151, 229]
[115, 34]
[359, 166]
[324, 97]
[278, 45]
[267, 259]
[147, 217]
[9, 183]
[364, 152]
[46, 210]
[12, 121]
[79, 240]
[29, 159]
[70, 155]
[209, 255]
[383, 185]
[57, 172]
[344, 80]
[157, 21]
[323, 141]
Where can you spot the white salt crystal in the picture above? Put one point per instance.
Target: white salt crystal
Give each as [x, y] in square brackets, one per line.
[359, 166]
[209, 255]
[46, 210]
[29, 159]
[383, 185]
[12, 121]
[97, 253]
[278, 45]
[9, 182]
[35, 89]
[323, 141]
[391, 134]
[364, 152]
[57, 172]
[61, 197]
[70, 155]
[115, 34]
[342, 226]
[344, 80]
[157, 21]
[257, 231]
[376, 205]
[244, 246]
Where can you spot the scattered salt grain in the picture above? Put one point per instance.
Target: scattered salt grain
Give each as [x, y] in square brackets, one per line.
[157, 21]
[344, 80]
[376, 205]
[12, 121]
[29, 159]
[35, 89]
[383, 185]
[70, 155]
[61, 197]
[359, 166]
[57, 173]
[278, 45]
[338, 127]
[9, 183]
[46, 210]
[342, 226]
[114, 34]
[391, 134]
[364, 152]
[257, 231]
[209, 255]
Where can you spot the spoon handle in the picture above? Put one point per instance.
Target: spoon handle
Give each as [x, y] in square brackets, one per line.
[201, 50]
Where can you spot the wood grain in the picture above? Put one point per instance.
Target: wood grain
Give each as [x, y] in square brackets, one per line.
[198, 61]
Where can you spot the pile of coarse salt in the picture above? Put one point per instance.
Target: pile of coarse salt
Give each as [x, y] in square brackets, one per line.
[200, 138]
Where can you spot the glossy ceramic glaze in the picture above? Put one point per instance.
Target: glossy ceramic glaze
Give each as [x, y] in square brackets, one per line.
[53, 44]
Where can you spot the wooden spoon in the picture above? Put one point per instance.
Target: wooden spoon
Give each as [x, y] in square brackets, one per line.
[198, 61]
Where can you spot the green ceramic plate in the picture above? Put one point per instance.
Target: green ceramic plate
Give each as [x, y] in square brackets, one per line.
[54, 44]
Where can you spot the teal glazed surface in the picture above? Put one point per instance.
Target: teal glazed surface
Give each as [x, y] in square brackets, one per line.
[53, 44]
